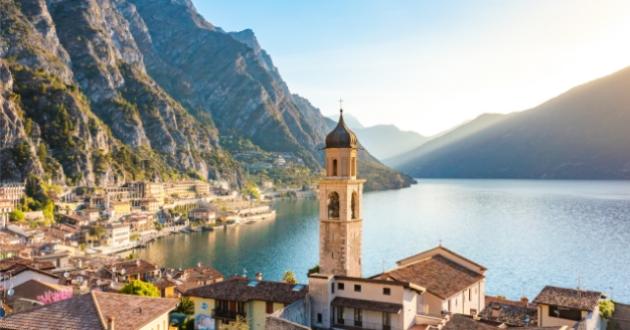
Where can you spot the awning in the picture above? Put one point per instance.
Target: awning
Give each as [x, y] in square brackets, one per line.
[367, 305]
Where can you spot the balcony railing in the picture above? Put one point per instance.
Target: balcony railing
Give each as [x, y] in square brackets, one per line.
[352, 325]
[227, 314]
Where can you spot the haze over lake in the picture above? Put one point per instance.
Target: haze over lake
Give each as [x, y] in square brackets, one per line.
[527, 233]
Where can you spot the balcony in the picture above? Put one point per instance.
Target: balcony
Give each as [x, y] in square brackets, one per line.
[227, 314]
[362, 325]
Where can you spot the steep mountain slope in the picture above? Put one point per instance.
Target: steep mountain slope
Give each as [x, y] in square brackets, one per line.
[103, 91]
[581, 134]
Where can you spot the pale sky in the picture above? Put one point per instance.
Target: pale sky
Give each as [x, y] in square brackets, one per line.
[430, 65]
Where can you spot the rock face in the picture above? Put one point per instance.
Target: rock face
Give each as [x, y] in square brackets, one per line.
[581, 134]
[100, 91]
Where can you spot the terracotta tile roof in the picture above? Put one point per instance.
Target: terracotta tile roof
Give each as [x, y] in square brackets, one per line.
[241, 289]
[133, 267]
[91, 311]
[33, 288]
[439, 275]
[129, 311]
[570, 298]
[367, 305]
[465, 322]
[442, 249]
[512, 313]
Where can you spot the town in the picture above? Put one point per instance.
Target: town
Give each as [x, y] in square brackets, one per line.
[69, 274]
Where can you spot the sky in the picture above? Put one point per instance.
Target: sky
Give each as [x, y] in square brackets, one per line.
[428, 66]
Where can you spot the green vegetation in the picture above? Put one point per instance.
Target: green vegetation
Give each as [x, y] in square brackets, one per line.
[313, 270]
[16, 215]
[251, 190]
[289, 277]
[185, 306]
[141, 288]
[606, 308]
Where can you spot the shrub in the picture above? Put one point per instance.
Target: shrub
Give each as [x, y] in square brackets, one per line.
[606, 308]
[141, 288]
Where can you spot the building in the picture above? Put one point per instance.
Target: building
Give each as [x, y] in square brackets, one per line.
[96, 310]
[6, 207]
[568, 307]
[238, 297]
[118, 235]
[421, 291]
[511, 313]
[204, 214]
[195, 277]
[466, 322]
[25, 296]
[129, 270]
[16, 271]
[12, 192]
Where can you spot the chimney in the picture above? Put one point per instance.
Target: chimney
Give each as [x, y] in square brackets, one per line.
[110, 323]
[259, 276]
[525, 301]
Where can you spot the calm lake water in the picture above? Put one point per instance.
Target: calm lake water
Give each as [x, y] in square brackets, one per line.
[527, 233]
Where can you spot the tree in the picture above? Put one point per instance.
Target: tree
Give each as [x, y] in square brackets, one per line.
[606, 308]
[251, 190]
[16, 215]
[313, 270]
[141, 288]
[185, 306]
[289, 277]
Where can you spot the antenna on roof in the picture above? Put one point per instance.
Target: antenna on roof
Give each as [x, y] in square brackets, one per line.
[440, 242]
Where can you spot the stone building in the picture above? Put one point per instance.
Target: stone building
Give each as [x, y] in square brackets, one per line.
[421, 291]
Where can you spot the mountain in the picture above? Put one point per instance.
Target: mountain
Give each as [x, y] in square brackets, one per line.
[581, 134]
[103, 91]
[384, 141]
[387, 141]
[444, 139]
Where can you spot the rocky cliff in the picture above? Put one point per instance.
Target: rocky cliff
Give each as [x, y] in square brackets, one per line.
[102, 91]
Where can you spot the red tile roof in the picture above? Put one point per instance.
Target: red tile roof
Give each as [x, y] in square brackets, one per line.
[242, 289]
[92, 311]
[437, 274]
[570, 298]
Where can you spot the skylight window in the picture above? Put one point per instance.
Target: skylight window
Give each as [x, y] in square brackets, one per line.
[252, 283]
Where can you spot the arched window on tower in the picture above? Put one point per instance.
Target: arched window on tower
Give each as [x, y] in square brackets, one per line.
[353, 167]
[333, 205]
[334, 167]
[354, 205]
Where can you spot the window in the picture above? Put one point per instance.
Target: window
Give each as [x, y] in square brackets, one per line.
[469, 295]
[387, 321]
[565, 313]
[332, 287]
[353, 205]
[339, 313]
[387, 291]
[269, 307]
[333, 205]
[357, 288]
[319, 317]
[334, 167]
[353, 167]
[340, 286]
[358, 317]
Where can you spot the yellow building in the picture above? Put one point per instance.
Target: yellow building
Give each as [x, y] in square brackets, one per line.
[238, 297]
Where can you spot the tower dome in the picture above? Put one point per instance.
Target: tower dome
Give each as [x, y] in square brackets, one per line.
[341, 136]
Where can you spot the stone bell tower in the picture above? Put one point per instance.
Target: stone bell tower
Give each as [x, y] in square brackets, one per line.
[340, 194]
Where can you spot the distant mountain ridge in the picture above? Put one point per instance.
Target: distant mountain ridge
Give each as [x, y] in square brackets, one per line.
[385, 141]
[580, 134]
[104, 91]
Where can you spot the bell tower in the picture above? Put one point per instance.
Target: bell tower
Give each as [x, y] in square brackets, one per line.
[340, 194]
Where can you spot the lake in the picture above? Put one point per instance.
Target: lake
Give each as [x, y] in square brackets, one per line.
[528, 234]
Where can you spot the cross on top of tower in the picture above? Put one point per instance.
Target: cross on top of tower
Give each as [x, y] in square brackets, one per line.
[341, 105]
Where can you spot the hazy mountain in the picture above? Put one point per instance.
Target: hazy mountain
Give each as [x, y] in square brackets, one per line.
[100, 91]
[384, 141]
[581, 134]
[444, 139]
